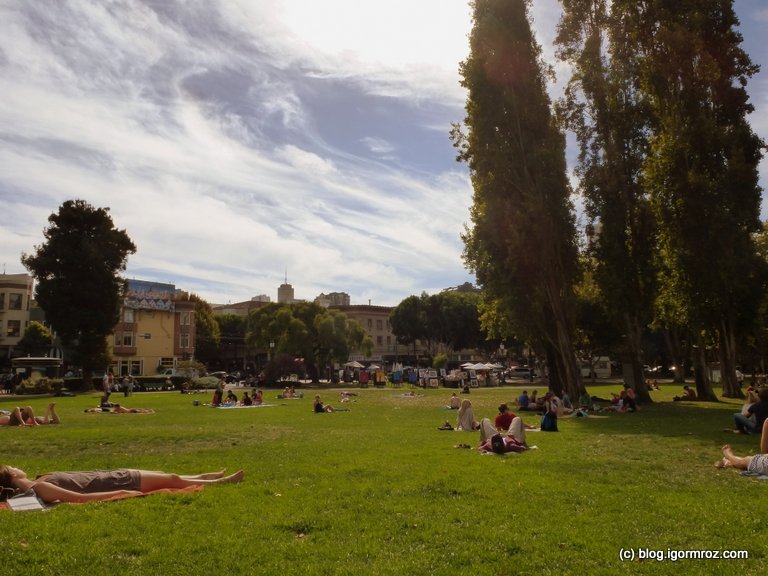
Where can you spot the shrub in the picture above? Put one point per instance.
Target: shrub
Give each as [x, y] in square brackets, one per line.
[30, 386]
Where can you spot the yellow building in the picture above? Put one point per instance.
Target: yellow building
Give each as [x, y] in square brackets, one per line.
[15, 299]
[155, 330]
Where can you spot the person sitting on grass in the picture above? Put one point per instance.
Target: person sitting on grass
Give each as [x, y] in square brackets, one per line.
[454, 403]
[258, 397]
[523, 401]
[466, 418]
[218, 393]
[26, 417]
[231, 398]
[512, 440]
[535, 403]
[753, 420]
[688, 394]
[749, 399]
[321, 408]
[757, 463]
[104, 484]
[247, 400]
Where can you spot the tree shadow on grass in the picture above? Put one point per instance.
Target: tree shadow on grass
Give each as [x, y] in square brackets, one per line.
[702, 422]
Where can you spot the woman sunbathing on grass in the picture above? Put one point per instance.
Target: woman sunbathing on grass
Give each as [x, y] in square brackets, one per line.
[757, 463]
[118, 409]
[103, 484]
[26, 417]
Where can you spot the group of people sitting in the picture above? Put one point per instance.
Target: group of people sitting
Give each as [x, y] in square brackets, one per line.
[505, 434]
[231, 399]
[549, 403]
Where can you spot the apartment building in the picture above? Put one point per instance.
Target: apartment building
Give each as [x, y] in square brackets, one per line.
[155, 330]
[15, 301]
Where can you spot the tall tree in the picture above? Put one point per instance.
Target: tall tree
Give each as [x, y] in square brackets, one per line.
[522, 244]
[609, 115]
[78, 280]
[702, 171]
[408, 321]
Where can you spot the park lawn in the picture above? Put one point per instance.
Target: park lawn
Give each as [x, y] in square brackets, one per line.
[379, 490]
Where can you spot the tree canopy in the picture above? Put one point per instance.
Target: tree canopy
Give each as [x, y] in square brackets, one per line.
[78, 278]
[317, 335]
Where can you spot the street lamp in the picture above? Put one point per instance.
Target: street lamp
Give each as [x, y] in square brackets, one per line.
[271, 347]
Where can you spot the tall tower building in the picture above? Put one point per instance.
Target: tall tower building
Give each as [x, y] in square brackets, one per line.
[285, 292]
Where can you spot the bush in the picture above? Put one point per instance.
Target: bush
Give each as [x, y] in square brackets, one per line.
[439, 361]
[30, 386]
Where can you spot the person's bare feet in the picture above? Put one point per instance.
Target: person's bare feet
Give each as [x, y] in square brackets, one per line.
[232, 478]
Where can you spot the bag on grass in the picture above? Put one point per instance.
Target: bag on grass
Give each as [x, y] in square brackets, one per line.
[549, 422]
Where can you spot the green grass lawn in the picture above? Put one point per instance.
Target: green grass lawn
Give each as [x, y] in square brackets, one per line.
[379, 490]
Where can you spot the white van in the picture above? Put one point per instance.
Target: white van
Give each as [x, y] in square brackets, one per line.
[599, 368]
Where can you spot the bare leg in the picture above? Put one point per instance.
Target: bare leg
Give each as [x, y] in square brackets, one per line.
[486, 430]
[50, 415]
[517, 430]
[206, 476]
[158, 480]
[731, 460]
[16, 418]
[28, 416]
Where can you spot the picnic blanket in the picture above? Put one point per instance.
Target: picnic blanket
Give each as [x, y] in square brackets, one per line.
[229, 407]
[755, 475]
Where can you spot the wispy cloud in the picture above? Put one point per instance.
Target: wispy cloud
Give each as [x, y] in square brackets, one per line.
[234, 139]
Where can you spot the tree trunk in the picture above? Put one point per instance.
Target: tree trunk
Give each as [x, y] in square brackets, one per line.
[701, 371]
[727, 353]
[635, 354]
[672, 337]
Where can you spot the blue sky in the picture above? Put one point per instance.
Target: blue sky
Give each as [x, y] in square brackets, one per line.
[235, 140]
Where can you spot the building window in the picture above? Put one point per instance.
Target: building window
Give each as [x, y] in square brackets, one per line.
[2, 300]
[184, 340]
[124, 368]
[14, 329]
[378, 324]
[378, 340]
[185, 318]
[127, 339]
[370, 323]
[137, 367]
[389, 340]
[128, 315]
[166, 362]
[14, 301]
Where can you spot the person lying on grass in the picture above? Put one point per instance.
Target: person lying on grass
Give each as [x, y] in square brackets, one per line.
[26, 417]
[757, 463]
[113, 408]
[512, 440]
[103, 484]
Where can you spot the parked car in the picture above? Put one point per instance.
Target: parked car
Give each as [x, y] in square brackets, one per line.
[228, 378]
